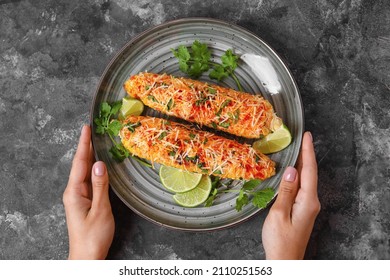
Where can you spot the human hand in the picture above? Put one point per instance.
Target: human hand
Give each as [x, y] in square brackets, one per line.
[87, 206]
[290, 221]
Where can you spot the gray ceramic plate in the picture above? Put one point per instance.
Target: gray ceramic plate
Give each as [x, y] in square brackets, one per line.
[260, 70]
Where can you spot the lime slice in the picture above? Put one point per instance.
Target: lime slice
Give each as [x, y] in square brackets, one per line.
[274, 142]
[178, 180]
[195, 196]
[129, 107]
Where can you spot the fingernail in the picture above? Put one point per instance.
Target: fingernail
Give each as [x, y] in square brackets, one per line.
[311, 136]
[99, 168]
[289, 174]
[84, 129]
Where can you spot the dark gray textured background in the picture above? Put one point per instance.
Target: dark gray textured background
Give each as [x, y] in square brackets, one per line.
[52, 54]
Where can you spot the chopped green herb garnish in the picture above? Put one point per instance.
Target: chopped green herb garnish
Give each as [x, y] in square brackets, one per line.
[225, 103]
[132, 126]
[212, 90]
[202, 100]
[170, 104]
[201, 166]
[236, 115]
[162, 135]
[224, 124]
[151, 97]
[191, 159]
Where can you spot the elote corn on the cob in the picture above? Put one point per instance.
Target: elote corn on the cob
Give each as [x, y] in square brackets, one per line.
[225, 109]
[180, 146]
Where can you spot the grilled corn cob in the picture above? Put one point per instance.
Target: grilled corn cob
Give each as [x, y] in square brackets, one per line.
[177, 145]
[238, 113]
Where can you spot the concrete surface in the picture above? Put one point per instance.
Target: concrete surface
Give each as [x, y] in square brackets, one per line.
[52, 54]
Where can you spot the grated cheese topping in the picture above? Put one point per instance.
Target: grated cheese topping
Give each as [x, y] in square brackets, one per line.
[180, 146]
[225, 109]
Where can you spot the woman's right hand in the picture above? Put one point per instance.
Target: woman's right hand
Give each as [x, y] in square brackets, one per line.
[290, 221]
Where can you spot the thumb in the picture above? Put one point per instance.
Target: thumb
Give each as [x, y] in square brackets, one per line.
[99, 186]
[288, 189]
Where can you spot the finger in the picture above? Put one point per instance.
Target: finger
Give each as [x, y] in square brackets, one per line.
[82, 158]
[86, 189]
[307, 204]
[307, 167]
[287, 192]
[100, 199]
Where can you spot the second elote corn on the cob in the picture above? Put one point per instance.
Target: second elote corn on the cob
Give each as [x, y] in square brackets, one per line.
[180, 146]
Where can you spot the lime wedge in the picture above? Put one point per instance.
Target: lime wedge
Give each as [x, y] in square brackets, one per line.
[195, 196]
[129, 107]
[178, 180]
[274, 142]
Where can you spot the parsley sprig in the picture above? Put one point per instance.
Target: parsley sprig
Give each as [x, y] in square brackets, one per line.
[196, 60]
[260, 198]
[107, 124]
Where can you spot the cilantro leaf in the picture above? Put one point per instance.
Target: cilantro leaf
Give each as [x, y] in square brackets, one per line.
[200, 52]
[241, 200]
[183, 66]
[251, 184]
[229, 64]
[195, 70]
[263, 197]
[142, 161]
[119, 152]
[229, 60]
[193, 63]
[210, 200]
[106, 125]
[114, 127]
[218, 73]
[197, 60]
[99, 129]
[183, 55]
[105, 109]
[115, 107]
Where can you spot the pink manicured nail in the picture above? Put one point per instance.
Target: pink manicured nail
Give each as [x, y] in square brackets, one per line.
[99, 168]
[84, 128]
[289, 174]
[311, 136]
